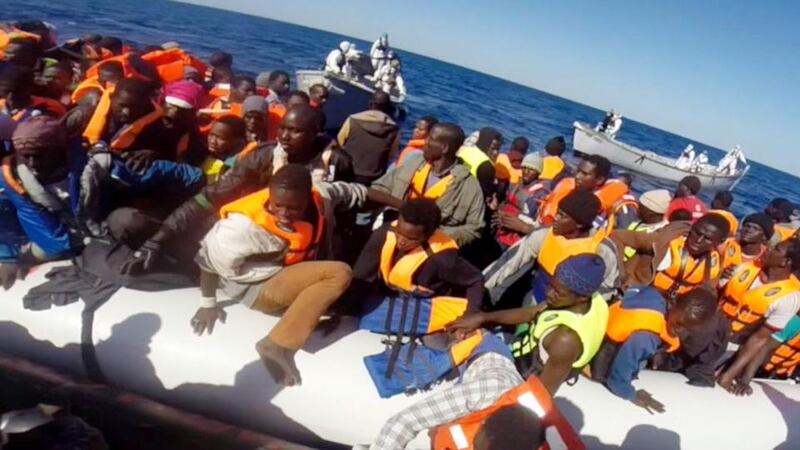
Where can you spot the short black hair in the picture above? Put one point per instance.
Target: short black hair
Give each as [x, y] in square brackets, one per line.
[513, 427]
[291, 177]
[717, 221]
[235, 123]
[277, 73]
[693, 183]
[521, 144]
[602, 166]
[422, 211]
[16, 77]
[137, 88]
[114, 44]
[299, 93]
[453, 133]
[381, 101]
[699, 304]
[725, 198]
[430, 120]
[626, 178]
[112, 67]
[221, 59]
[243, 79]
[221, 70]
[679, 215]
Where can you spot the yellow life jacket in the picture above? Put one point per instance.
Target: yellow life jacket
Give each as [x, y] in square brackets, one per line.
[553, 166]
[746, 306]
[304, 239]
[399, 274]
[420, 179]
[686, 273]
[473, 157]
[590, 328]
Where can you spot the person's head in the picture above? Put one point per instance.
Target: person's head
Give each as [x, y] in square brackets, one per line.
[511, 427]
[688, 186]
[255, 114]
[756, 229]
[575, 280]
[56, 78]
[40, 143]
[221, 59]
[417, 221]
[345, 46]
[706, 234]
[780, 209]
[221, 74]
[443, 143]
[181, 100]
[297, 98]
[515, 158]
[298, 129]
[279, 82]
[241, 88]
[289, 194]
[680, 215]
[576, 213]
[192, 74]
[489, 140]
[112, 44]
[381, 101]
[131, 100]
[423, 127]
[722, 200]
[22, 52]
[556, 146]
[626, 178]
[532, 166]
[653, 204]
[785, 255]
[226, 136]
[520, 144]
[318, 95]
[690, 311]
[593, 172]
[16, 85]
[110, 72]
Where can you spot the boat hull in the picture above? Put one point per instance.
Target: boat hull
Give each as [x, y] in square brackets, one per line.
[346, 97]
[143, 343]
[590, 142]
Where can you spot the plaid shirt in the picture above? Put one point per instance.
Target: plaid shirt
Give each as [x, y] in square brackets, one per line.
[485, 380]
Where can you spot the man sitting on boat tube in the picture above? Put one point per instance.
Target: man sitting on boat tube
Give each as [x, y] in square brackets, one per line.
[266, 251]
[491, 391]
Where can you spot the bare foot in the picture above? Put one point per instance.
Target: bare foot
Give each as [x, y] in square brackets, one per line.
[279, 362]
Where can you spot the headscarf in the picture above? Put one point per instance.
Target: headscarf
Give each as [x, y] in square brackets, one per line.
[183, 94]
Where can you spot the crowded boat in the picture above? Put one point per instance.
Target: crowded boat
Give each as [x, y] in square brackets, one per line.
[492, 275]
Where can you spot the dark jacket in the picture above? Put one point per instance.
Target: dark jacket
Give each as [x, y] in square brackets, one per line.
[369, 137]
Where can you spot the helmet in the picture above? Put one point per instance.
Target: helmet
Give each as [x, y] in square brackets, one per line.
[345, 46]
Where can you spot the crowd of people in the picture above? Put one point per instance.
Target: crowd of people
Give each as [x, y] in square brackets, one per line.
[512, 267]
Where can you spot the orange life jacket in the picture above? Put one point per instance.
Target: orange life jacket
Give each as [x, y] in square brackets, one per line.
[553, 166]
[171, 63]
[127, 68]
[622, 323]
[627, 201]
[85, 87]
[54, 107]
[785, 359]
[220, 90]
[10, 33]
[400, 274]
[413, 145]
[746, 306]
[125, 136]
[416, 188]
[556, 249]
[733, 256]
[8, 165]
[611, 192]
[686, 273]
[504, 171]
[784, 232]
[460, 434]
[305, 238]
[733, 222]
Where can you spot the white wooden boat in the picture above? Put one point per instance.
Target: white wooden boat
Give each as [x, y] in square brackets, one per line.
[588, 141]
[347, 96]
[143, 343]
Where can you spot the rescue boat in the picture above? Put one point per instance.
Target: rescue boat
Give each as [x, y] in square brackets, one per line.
[142, 342]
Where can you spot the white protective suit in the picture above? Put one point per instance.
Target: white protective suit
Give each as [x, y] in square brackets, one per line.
[730, 162]
[391, 76]
[614, 126]
[700, 162]
[379, 53]
[336, 61]
[686, 159]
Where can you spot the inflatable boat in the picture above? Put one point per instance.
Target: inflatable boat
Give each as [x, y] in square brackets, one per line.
[142, 342]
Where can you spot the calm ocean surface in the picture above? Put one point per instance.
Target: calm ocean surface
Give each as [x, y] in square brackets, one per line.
[452, 93]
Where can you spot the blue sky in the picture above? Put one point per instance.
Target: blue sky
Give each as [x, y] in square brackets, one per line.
[721, 72]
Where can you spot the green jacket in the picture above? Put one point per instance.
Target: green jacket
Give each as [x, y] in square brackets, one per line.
[462, 204]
